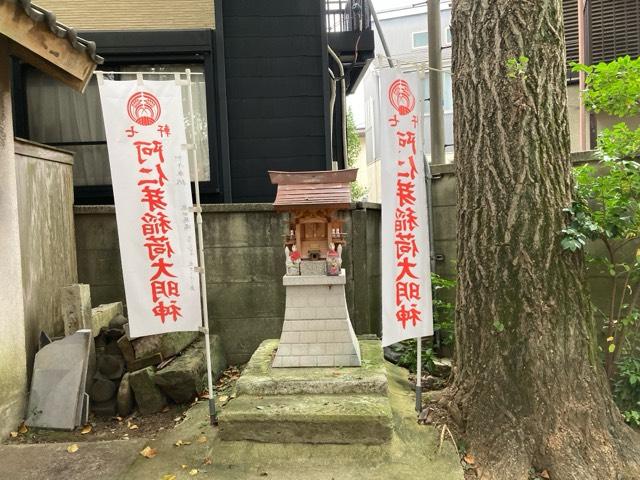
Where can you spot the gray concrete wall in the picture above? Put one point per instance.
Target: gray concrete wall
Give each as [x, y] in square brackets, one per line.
[245, 265]
[47, 238]
[13, 378]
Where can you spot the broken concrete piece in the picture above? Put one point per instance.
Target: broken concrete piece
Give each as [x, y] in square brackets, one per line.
[167, 344]
[185, 376]
[102, 315]
[58, 383]
[124, 399]
[147, 394]
[119, 321]
[76, 307]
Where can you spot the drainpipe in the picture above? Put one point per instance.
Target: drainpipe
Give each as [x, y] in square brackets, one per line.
[383, 40]
[581, 59]
[343, 92]
[436, 104]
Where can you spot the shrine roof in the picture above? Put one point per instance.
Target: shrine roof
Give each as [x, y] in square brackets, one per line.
[320, 188]
[41, 15]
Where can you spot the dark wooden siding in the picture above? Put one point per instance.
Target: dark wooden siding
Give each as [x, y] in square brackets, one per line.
[613, 29]
[275, 91]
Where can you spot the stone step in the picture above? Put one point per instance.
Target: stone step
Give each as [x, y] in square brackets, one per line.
[259, 378]
[341, 419]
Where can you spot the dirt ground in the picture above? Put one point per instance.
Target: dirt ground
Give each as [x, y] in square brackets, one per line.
[134, 426]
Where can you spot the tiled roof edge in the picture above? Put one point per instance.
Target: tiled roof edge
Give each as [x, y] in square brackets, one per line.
[39, 14]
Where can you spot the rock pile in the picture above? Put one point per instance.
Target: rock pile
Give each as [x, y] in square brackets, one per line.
[148, 371]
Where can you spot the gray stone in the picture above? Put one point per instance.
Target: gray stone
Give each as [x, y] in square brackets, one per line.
[102, 315]
[147, 394]
[313, 267]
[125, 396]
[442, 367]
[76, 308]
[167, 344]
[59, 382]
[119, 321]
[111, 366]
[104, 409]
[185, 376]
[102, 390]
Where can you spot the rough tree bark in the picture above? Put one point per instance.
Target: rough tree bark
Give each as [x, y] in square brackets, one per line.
[529, 390]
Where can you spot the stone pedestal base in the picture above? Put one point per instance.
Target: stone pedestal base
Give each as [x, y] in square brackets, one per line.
[310, 405]
[317, 331]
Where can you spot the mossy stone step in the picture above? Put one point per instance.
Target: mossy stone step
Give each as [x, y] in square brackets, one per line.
[260, 378]
[342, 419]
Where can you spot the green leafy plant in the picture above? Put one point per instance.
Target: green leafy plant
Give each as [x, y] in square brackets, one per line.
[627, 388]
[443, 316]
[358, 191]
[517, 67]
[612, 87]
[606, 211]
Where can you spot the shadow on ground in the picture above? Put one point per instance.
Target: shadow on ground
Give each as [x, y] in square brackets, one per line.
[412, 453]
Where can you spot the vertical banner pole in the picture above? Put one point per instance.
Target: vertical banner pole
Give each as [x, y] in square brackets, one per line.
[419, 375]
[203, 281]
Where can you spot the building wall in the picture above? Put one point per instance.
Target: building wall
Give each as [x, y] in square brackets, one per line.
[275, 59]
[245, 264]
[13, 378]
[47, 238]
[132, 14]
[602, 120]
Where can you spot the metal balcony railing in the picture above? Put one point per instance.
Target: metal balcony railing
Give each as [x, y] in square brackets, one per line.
[348, 15]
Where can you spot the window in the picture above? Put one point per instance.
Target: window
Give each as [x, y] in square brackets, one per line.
[50, 113]
[74, 121]
[447, 93]
[448, 36]
[420, 39]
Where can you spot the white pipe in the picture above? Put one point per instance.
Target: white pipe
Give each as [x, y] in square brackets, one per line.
[343, 85]
[203, 280]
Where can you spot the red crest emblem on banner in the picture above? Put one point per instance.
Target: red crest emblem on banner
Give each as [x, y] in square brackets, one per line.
[144, 108]
[401, 97]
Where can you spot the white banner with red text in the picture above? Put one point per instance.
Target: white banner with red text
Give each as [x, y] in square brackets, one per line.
[406, 270]
[149, 159]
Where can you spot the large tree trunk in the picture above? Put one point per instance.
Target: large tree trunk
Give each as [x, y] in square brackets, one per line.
[529, 389]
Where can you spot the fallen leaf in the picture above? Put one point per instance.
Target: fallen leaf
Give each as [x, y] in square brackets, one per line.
[193, 472]
[179, 443]
[177, 419]
[223, 398]
[202, 439]
[133, 426]
[13, 434]
[207, 460]
[23, 429]
[119, 419]
[165, 409]
[259, 407]
[73, 448]
[148, 452]
[85, 430]
[168, 476]
[469, 459]
[545, 474]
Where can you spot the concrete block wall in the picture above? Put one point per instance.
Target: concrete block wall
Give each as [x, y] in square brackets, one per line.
[245, 264]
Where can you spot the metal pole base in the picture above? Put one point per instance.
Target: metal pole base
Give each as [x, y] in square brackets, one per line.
[213, 416]
[418, 398]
